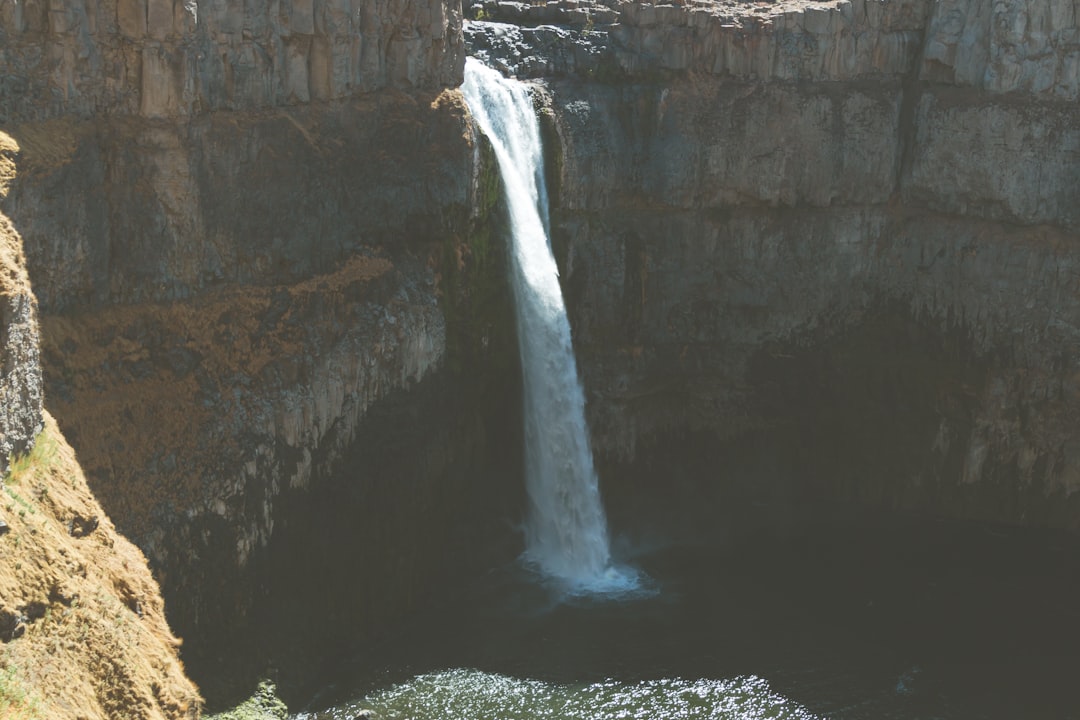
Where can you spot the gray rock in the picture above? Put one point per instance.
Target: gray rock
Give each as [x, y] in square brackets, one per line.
[21, 391]
[1007, 46]
[706, 221]
[166, 60]
[541, 51]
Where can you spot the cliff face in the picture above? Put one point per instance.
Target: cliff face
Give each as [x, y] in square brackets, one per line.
[214, 347]
[249, 228]
[20, 371]
[82, 626]
[837, 235]
[168, 58]
[841, 232]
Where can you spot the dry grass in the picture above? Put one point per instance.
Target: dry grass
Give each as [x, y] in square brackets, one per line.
[93, 641]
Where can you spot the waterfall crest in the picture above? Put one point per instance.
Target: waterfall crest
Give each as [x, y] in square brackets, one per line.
[566, 530]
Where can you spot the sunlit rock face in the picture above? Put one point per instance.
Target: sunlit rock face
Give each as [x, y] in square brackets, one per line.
[836, 232]
[20, 365]
[166, 59]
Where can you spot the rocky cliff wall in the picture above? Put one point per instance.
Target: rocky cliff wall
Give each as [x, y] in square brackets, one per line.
[82, 627]
[841, 229]
[250, 228]
[749, 196]
[226, 299]
[129, 210]
[169, 58]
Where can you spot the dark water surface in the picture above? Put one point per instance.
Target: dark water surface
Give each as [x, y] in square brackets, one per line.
[881, 618]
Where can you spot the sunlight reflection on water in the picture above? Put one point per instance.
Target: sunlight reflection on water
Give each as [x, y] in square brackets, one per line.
[474, 695]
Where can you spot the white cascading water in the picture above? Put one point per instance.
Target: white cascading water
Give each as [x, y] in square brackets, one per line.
[566, 531]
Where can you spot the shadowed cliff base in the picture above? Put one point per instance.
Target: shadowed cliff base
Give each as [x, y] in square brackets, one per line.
[874, 418]
[429, 497]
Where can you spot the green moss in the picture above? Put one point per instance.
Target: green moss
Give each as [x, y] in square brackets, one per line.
[489, 184]
[553, 152]
[474, 285]
[26, 507]
[263, 705]
[17, 702]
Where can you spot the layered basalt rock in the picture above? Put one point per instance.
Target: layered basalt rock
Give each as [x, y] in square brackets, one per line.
[745, 194]
[225, 301]
[159, 58]
[249, 228]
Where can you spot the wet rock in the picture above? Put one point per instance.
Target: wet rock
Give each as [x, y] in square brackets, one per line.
[542, 51]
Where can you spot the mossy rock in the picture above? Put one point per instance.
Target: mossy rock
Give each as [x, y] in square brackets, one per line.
[263, 705]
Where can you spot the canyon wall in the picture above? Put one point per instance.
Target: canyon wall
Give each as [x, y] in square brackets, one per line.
[82, 626]
[837, 235]
[249, 228]
[169, 58]
[823, 241]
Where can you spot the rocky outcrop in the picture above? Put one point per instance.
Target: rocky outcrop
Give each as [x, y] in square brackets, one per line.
[20, 366]
[780, 41]
[130, 210]
[1005, 47]
[833, 41]
[838, 231]
[158, 58]
[20, 382]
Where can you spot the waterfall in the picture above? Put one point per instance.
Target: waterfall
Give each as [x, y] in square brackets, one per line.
[565, 531]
